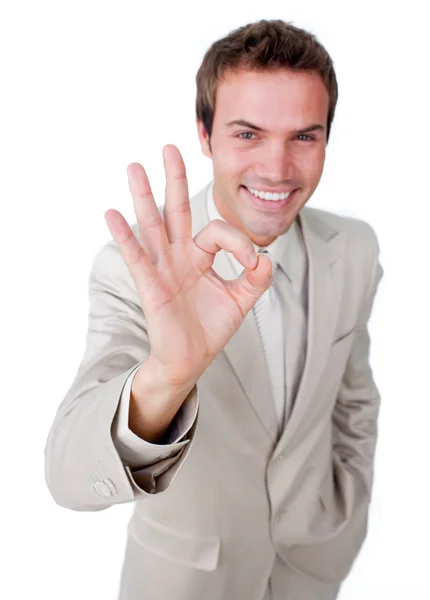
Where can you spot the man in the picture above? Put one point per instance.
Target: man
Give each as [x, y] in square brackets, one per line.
[232, 399]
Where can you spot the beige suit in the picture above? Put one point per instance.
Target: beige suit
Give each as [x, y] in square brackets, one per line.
[235, 507]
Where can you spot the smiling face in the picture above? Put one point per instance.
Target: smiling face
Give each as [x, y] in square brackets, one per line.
[257, 143]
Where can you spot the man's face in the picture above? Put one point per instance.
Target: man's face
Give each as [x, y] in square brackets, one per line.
[276, 158]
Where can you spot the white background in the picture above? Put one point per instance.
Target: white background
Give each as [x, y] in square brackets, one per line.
[87, 88]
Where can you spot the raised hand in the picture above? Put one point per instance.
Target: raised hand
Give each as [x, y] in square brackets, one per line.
[191, 312]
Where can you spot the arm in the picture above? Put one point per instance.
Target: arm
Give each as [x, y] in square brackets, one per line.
[83, 468]
[357, 407]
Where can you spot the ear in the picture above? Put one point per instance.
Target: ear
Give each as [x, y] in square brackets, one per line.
[203, 138]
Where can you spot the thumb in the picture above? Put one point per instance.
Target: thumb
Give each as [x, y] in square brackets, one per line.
[252, 283]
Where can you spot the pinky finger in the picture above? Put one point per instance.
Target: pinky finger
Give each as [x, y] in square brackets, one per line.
[117, 225]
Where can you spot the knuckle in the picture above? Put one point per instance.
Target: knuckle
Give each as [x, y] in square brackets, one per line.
[143, 194]
[135, 257]
[179, 175]
[181, 209]
[217, 223]
[154, 222]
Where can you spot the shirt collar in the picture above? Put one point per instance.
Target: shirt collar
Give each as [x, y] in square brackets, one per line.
[281, 249]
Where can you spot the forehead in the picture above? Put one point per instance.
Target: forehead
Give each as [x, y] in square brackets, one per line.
[272, 99]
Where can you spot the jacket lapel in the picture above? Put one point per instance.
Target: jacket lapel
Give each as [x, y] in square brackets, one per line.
[323, 245]
[246, 356]
[325, 248]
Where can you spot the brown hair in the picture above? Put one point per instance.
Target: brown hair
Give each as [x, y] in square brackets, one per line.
[258, 46]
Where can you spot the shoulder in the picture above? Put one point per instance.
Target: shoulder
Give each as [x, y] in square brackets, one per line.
[360, 235]
[359, 249]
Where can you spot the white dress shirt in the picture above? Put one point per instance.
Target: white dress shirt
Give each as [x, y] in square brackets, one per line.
[288, 251]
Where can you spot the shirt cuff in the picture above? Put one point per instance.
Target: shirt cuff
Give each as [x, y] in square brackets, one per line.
[137, 452]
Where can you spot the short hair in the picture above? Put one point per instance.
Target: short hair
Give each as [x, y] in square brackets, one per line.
[263, 45]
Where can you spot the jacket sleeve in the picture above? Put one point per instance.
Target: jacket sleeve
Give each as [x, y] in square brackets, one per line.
[136, 451]
[355, 415]
[84, 468]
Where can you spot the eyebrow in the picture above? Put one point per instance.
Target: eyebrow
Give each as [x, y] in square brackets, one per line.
[243, 123]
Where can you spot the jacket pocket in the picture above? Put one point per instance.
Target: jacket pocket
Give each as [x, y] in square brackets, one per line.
[343, 336]
[331, 376]
[200, 552]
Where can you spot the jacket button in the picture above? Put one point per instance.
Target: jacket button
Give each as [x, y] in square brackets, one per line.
[111, 486]
[102, 489]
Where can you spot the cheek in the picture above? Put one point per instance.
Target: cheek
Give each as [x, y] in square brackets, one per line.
[318, 159]
[232, 164]
[312, 166]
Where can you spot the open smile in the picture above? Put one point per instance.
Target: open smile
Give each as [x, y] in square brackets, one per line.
[273, 202]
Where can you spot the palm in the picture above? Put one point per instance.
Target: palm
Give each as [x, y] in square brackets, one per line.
[191, 311]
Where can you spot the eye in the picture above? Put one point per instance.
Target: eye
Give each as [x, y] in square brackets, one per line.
[244, 133]
[310, 137]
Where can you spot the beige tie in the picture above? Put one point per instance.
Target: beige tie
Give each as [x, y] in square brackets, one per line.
[268, 315]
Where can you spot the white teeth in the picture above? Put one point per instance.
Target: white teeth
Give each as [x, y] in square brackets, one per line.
[268, 195]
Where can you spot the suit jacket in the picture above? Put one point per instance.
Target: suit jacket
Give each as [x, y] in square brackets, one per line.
[214, 519]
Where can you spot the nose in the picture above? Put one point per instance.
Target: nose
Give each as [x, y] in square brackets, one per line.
[276, 165]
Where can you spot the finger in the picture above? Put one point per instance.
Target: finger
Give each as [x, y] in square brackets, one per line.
[177, 211]
[152, 232]
[219, 235]
[251, 284]
[138, 262]
[257, 275]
